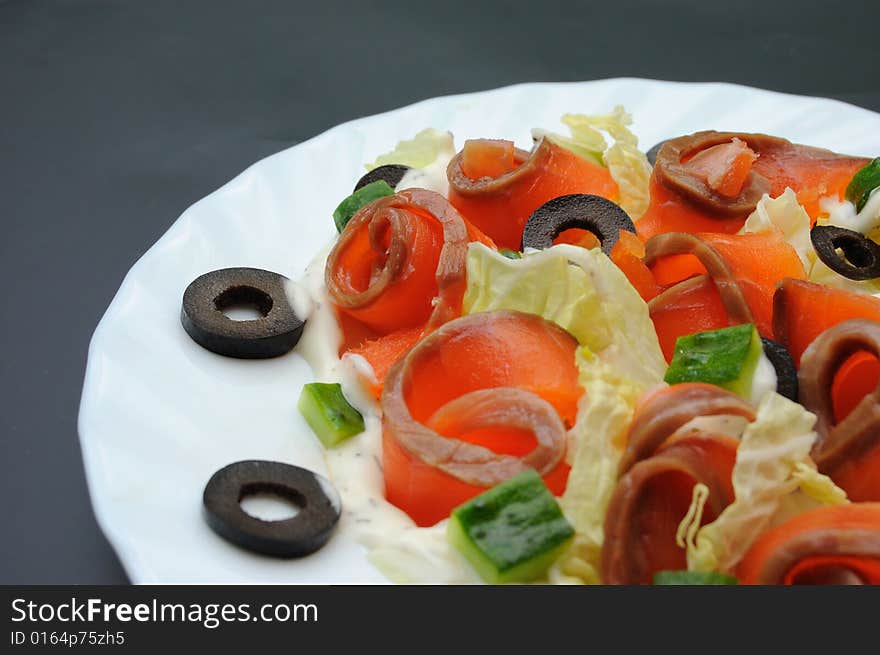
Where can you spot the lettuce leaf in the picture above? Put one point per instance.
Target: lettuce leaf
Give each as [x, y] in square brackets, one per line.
[580, 290]
[627, 164]
[420, 151]
[583, 292]
[773, 479]
[786, 214]
[597, 439]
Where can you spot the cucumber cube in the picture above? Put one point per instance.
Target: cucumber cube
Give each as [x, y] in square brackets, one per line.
[512, 532]
[863, 183]
[727, 357]
[329, 414]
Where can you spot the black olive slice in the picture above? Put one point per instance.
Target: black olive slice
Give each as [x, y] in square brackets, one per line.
[391, 173]
[276, 332]
[861, 255]
[652, 153]
[594, 213]
[786, 374]
[317, 499]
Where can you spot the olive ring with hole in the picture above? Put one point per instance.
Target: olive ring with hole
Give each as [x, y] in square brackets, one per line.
[274, 333]
[391, 173]
[861, 255]
[599, 215]
[318, 502]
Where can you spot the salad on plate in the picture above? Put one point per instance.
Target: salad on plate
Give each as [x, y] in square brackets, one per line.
[580, 363]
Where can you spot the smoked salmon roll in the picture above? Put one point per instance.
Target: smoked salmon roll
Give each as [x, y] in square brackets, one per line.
[396, 272]
[837, 544]
[803, 310]
[497, 187]
[658, 472]
[652, 497]
[711, 181]
[743, 271]
[662, 412]
[848, 451]
[467, 408]
[400, 262]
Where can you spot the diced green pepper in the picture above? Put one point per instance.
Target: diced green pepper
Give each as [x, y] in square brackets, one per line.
[360, 198]
[512, 532]
[863, 183]
[510, 254]
[693, 578]
[726, 357]
[328, 413]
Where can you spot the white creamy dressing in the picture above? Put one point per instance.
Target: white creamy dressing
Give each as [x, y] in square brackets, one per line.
[432, 177]
[400, 549]
[764, 381]
[843, 214]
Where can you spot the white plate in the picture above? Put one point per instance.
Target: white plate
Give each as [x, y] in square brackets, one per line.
[159, 414]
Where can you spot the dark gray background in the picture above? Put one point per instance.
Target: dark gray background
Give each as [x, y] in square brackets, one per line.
[116, 116]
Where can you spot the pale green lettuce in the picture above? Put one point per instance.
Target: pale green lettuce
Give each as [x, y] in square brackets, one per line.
[580, 290]
[786, 214]
[420, 151]
[598, 440]
[774, 478]
[628, 166]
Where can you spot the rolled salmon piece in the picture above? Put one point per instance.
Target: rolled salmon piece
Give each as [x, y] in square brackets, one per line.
[745, 269]
[499, 203]
[836, 544]
[651, 499]
[665, 410]
[847, 451]
[711, 181]
[400, 262]
[803, 310]
[479, 400]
